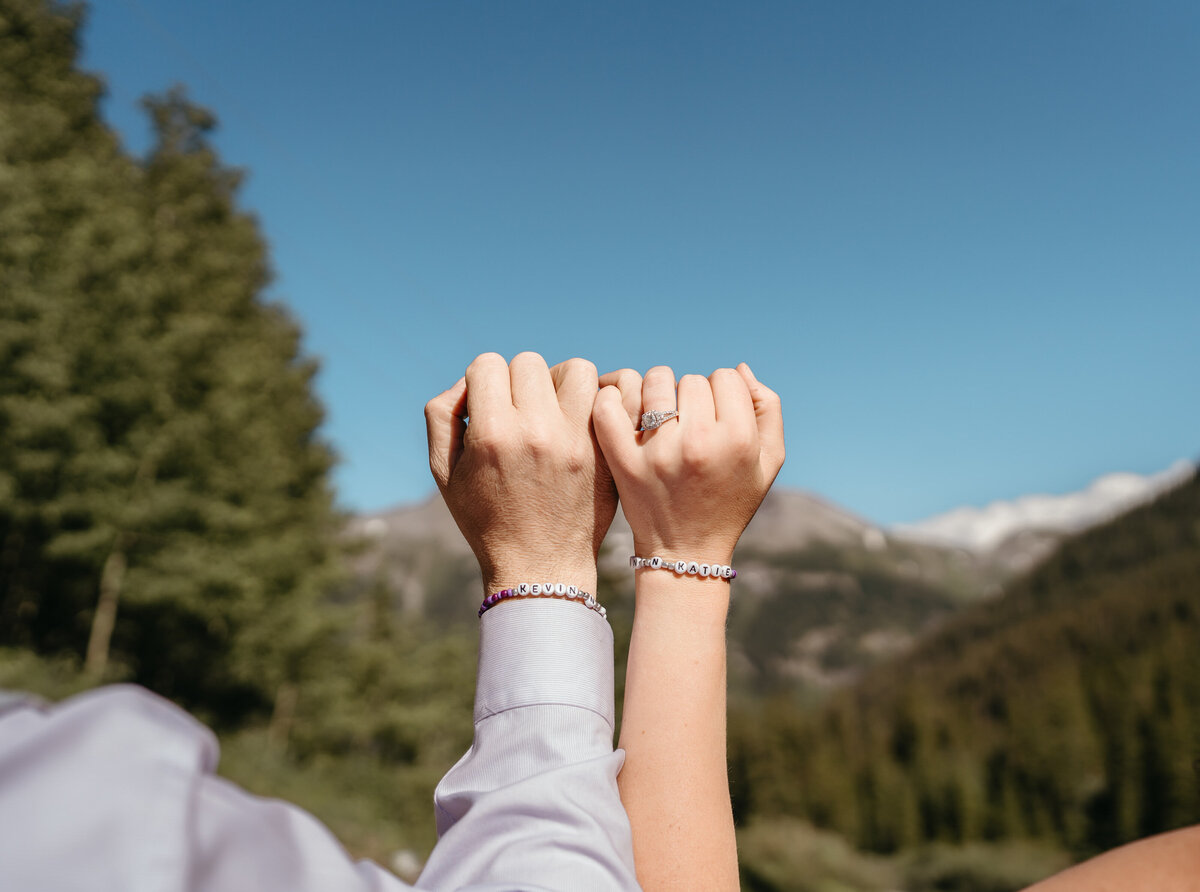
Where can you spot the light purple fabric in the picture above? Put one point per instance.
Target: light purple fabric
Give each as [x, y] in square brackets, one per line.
[114, 789]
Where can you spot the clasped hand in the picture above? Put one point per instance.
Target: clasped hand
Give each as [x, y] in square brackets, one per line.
[530, 461]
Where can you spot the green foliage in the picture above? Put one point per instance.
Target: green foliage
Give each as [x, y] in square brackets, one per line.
[50, 679]
[366, 739]
[791, 856]
[979, 867]
[787, 855]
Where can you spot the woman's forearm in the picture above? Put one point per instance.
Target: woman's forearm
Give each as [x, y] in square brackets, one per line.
[675, 783]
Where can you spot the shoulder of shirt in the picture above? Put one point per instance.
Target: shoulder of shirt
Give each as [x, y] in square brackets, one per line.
[133, 721]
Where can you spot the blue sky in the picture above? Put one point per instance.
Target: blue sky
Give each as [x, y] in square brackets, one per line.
[961, 240]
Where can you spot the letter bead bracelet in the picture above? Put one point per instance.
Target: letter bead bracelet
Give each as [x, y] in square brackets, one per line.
[691, 568]
[543, 590]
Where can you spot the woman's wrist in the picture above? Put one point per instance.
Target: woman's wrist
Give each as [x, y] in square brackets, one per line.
[718, 551]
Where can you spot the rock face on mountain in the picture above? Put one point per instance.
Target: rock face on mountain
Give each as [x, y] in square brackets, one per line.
[787, 521]
[820, 592]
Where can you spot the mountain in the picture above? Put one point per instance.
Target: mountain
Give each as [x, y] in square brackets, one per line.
[1066, 710]
[1017, 534]
[821, 593]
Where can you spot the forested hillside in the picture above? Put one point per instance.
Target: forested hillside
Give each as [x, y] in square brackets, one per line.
[1066, 711]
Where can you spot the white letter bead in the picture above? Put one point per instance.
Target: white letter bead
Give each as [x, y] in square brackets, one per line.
[523, 588]
[633, 561]
[560, 589]
[727, 572]
[681, 566]
[693, 568]
[704, 568]
[535, 589]
[572, 591]
[655, 563]
[547, 588]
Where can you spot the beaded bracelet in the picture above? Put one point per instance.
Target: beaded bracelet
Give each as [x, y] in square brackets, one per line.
[691, 568]
[543, 590]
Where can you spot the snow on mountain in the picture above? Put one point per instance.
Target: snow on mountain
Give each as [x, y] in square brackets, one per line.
[984, 529]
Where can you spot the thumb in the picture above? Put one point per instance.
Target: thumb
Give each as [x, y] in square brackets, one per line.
[445, 428]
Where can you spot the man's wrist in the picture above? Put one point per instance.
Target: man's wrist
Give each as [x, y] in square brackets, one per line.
[509, 576]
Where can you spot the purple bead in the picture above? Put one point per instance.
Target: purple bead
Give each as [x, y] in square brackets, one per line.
[733, 575]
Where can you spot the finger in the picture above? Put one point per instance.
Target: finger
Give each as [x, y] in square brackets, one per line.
[445, 427]
[658, 390]
[731, 397]
[629, 383]
[576, 384]
[696, 408]
[768, 412]
[489, 398]
[616, 432]
[532, 386]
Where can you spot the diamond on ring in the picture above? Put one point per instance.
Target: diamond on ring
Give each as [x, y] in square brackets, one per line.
[655, 419]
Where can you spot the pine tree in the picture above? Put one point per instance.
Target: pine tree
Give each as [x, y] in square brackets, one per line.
[164, 497]
[69, 232]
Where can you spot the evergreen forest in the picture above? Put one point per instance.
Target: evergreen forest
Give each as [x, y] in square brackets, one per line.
[167, 519]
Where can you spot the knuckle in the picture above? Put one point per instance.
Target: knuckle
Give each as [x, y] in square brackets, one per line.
[663, 465]
[579, 457]
[485, 361]
[606, 398]
[486, 439]
[538, 442]
[742, 440]
[579, 365]
[528, 357]
[695, 455]
[724, 375]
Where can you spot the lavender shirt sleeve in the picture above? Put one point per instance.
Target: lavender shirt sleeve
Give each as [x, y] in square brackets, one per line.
[114, 789]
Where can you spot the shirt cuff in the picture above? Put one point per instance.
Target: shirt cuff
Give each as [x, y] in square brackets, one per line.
[540, 651]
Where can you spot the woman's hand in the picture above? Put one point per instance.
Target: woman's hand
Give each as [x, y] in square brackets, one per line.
[523, 477]
[689, 487]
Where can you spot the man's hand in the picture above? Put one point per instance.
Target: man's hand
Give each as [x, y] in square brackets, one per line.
[512, 452]
[689, 488]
